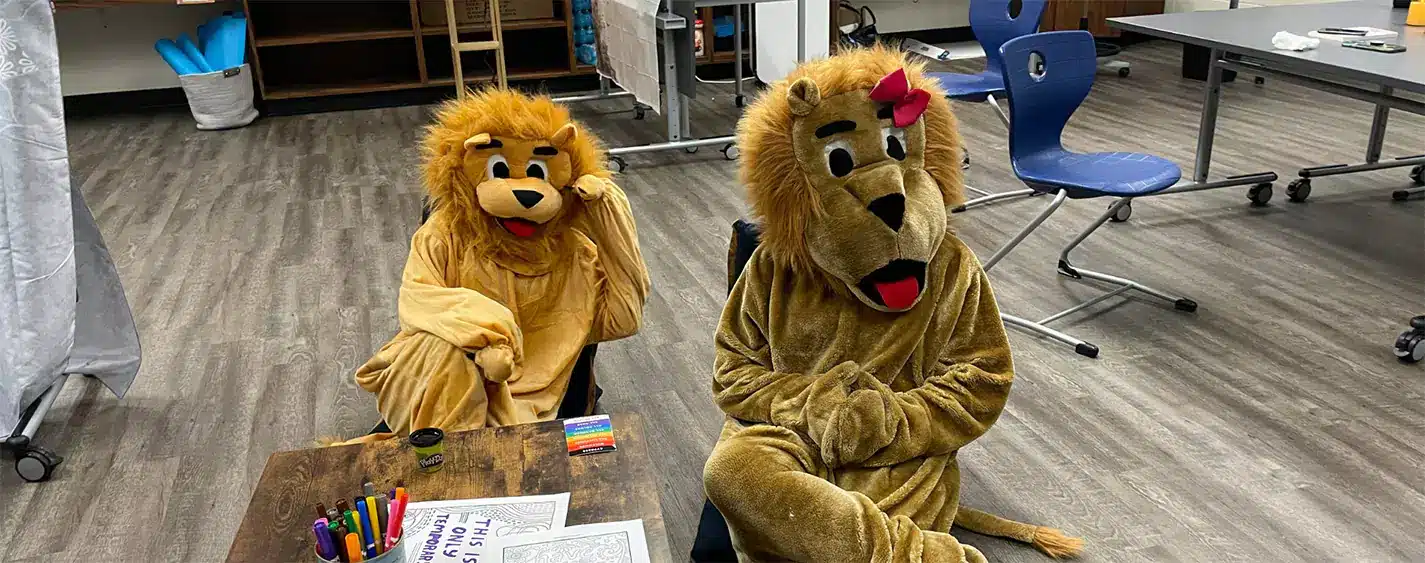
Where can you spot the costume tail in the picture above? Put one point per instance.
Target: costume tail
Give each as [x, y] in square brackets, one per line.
[1052, 542]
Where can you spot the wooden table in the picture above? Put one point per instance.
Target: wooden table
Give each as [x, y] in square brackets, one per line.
[527, 459]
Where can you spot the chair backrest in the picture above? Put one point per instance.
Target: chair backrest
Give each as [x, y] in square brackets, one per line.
[993, 25]
[1047, 76]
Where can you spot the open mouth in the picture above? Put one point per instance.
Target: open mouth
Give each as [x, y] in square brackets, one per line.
[519, 227]
[896, 285]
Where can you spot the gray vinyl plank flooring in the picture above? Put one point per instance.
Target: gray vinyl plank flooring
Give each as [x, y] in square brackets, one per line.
[1272, 425]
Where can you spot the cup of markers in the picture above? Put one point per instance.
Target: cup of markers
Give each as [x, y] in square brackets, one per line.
[366, 528]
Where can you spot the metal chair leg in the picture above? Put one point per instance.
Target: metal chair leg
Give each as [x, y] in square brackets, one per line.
[1033, 224]
[1067, 269]
[1080, 347]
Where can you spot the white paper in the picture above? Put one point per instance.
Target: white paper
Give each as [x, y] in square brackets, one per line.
[776, 29]
[1372, 33]
[612, 542]
[627, 41]
[460, 531]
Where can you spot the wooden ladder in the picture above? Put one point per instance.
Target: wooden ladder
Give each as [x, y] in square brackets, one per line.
[457, 46]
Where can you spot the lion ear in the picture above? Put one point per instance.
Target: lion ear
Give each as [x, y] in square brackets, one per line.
[803, 96]
[565, 135]
[475, 140]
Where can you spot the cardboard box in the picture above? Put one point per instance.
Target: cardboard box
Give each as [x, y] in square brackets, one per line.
[478, 11]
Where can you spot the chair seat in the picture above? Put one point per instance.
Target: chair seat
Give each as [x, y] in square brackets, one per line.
[969, 87]
[1085, 175]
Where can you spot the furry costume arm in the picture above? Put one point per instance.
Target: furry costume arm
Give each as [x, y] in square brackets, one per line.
[466, 318]
[746, 385]
[963, 395]
[622, 278]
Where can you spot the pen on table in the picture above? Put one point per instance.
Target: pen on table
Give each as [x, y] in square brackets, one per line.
[325, 549]
[393, 532]
[374, 524]
[337, 534]
[382, 511]
[353, 548]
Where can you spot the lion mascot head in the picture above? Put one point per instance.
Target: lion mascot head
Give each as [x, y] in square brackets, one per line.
[850, 163]
[499, 166]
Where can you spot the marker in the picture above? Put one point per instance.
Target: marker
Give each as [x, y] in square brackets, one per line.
[322, 510]
[334, 531]
[361, 522]
[352, 526]
[367, 487]
[382, 509]
[353, 549]
[393, 532]
[373, 546]
[342, 506]
[325, 549]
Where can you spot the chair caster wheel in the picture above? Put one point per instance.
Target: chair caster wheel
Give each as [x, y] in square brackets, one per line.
[36, 464]
[1418, 175]
[1260, 80]
[730, 151]
[1400, 195]
[1123, 213]
[741, 100]
[1086, 349]
[690, 150]
[1260, 194]
[1298, 190]
[1410, 346]
[618, 164]
[1185, 305]
[639, 111]
[1123, 72]
[965, 163]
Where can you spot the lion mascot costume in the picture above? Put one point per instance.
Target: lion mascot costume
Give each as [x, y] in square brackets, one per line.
[529, 254]
[861, 346]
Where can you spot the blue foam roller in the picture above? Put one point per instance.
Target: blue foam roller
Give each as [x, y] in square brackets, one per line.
[193, 53]
[205, 32]
[174, 56]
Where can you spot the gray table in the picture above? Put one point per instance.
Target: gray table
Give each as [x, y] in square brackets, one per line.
[1241, 40]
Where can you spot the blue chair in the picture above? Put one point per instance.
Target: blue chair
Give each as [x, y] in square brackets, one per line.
[1047, 76]
[993, 26]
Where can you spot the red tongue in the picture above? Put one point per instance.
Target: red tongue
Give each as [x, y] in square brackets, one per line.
[899, 294]
[518, 227]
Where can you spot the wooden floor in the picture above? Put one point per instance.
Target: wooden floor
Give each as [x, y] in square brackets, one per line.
[1272, 426]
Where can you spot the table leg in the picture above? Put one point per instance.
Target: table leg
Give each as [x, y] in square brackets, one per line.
[737, 51]
[672, 100]
[1378, 123]
[1208, 126]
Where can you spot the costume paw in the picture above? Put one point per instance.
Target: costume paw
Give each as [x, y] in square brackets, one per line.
[591, 187]
[973, 555]
[859, 428]
[497, 363]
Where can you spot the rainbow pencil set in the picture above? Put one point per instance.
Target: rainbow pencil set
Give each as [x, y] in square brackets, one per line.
[589, 435]
[362, 529]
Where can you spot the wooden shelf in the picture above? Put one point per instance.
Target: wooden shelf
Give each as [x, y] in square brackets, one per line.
[511, 75]
[538, 23]
[333, 37]
[285, 92]
[725, 56]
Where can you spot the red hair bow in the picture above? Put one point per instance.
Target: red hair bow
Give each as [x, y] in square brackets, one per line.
[907, 103]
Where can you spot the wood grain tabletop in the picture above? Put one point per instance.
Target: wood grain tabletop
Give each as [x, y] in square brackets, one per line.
[528, 459]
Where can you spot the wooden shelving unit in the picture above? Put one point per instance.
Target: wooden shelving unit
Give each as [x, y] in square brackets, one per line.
[314, 48]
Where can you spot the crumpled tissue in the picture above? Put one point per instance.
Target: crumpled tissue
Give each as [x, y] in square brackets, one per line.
[1292, 42]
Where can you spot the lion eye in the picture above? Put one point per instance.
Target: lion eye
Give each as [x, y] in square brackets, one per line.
[537, 169]
[894, 142]
[839, 158]
[497, 167]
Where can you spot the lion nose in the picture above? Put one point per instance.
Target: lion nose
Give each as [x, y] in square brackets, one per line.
[891, 210]
[528, 198]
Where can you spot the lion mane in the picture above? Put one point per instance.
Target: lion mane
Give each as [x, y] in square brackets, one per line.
[507, 113]
[781, 195]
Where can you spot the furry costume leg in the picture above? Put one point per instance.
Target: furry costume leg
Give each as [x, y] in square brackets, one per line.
[772, 487]
[420, 380]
